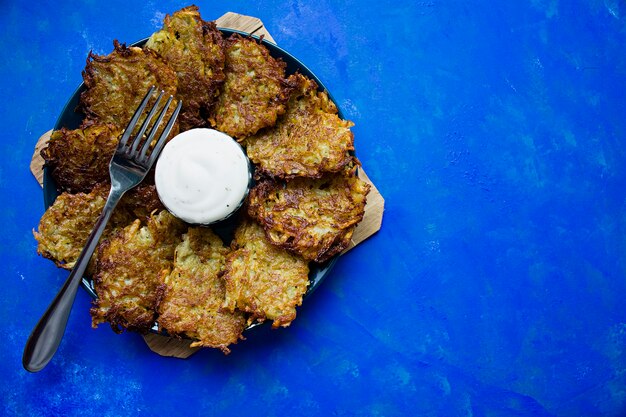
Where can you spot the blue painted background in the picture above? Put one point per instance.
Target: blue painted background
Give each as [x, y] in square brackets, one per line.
[497, 285]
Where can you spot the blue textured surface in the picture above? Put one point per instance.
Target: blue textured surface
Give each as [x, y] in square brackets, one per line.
[497, 285]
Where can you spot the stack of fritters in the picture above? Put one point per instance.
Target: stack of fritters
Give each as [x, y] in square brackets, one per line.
[131, 265]
[308, 197]
[151, 267]
[66, 224]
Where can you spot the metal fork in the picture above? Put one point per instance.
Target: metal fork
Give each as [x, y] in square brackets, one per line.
[129, 166]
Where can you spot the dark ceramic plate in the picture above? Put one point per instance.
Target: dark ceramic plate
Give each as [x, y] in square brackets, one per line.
[70, 119]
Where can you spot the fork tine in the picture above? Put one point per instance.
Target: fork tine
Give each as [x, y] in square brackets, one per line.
[135, 118]
[144, 125]
[163, 138]
[154, 129]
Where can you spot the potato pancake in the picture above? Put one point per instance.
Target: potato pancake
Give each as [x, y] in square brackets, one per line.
[66, 225]
[312, 217]
[264, 280]
[79, 159]
[255, 91]
[194, 50]
[308, 140]
[116, 83]
[131, 265]
[193, 294]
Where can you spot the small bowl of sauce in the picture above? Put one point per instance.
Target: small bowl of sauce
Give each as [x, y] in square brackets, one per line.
[202, 176]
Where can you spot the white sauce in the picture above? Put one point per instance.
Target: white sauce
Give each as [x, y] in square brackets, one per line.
[202, 176]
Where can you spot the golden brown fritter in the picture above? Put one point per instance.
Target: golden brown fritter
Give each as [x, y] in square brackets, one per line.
[116, 83]
[193, 294]
[312, 217]
[264, 280]
[255, 91]
[308, 140]
[79, 159]
[193, 48]
[131, 265]
[65, 226]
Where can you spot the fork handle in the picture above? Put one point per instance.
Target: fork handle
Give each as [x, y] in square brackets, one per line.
[45, 338]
